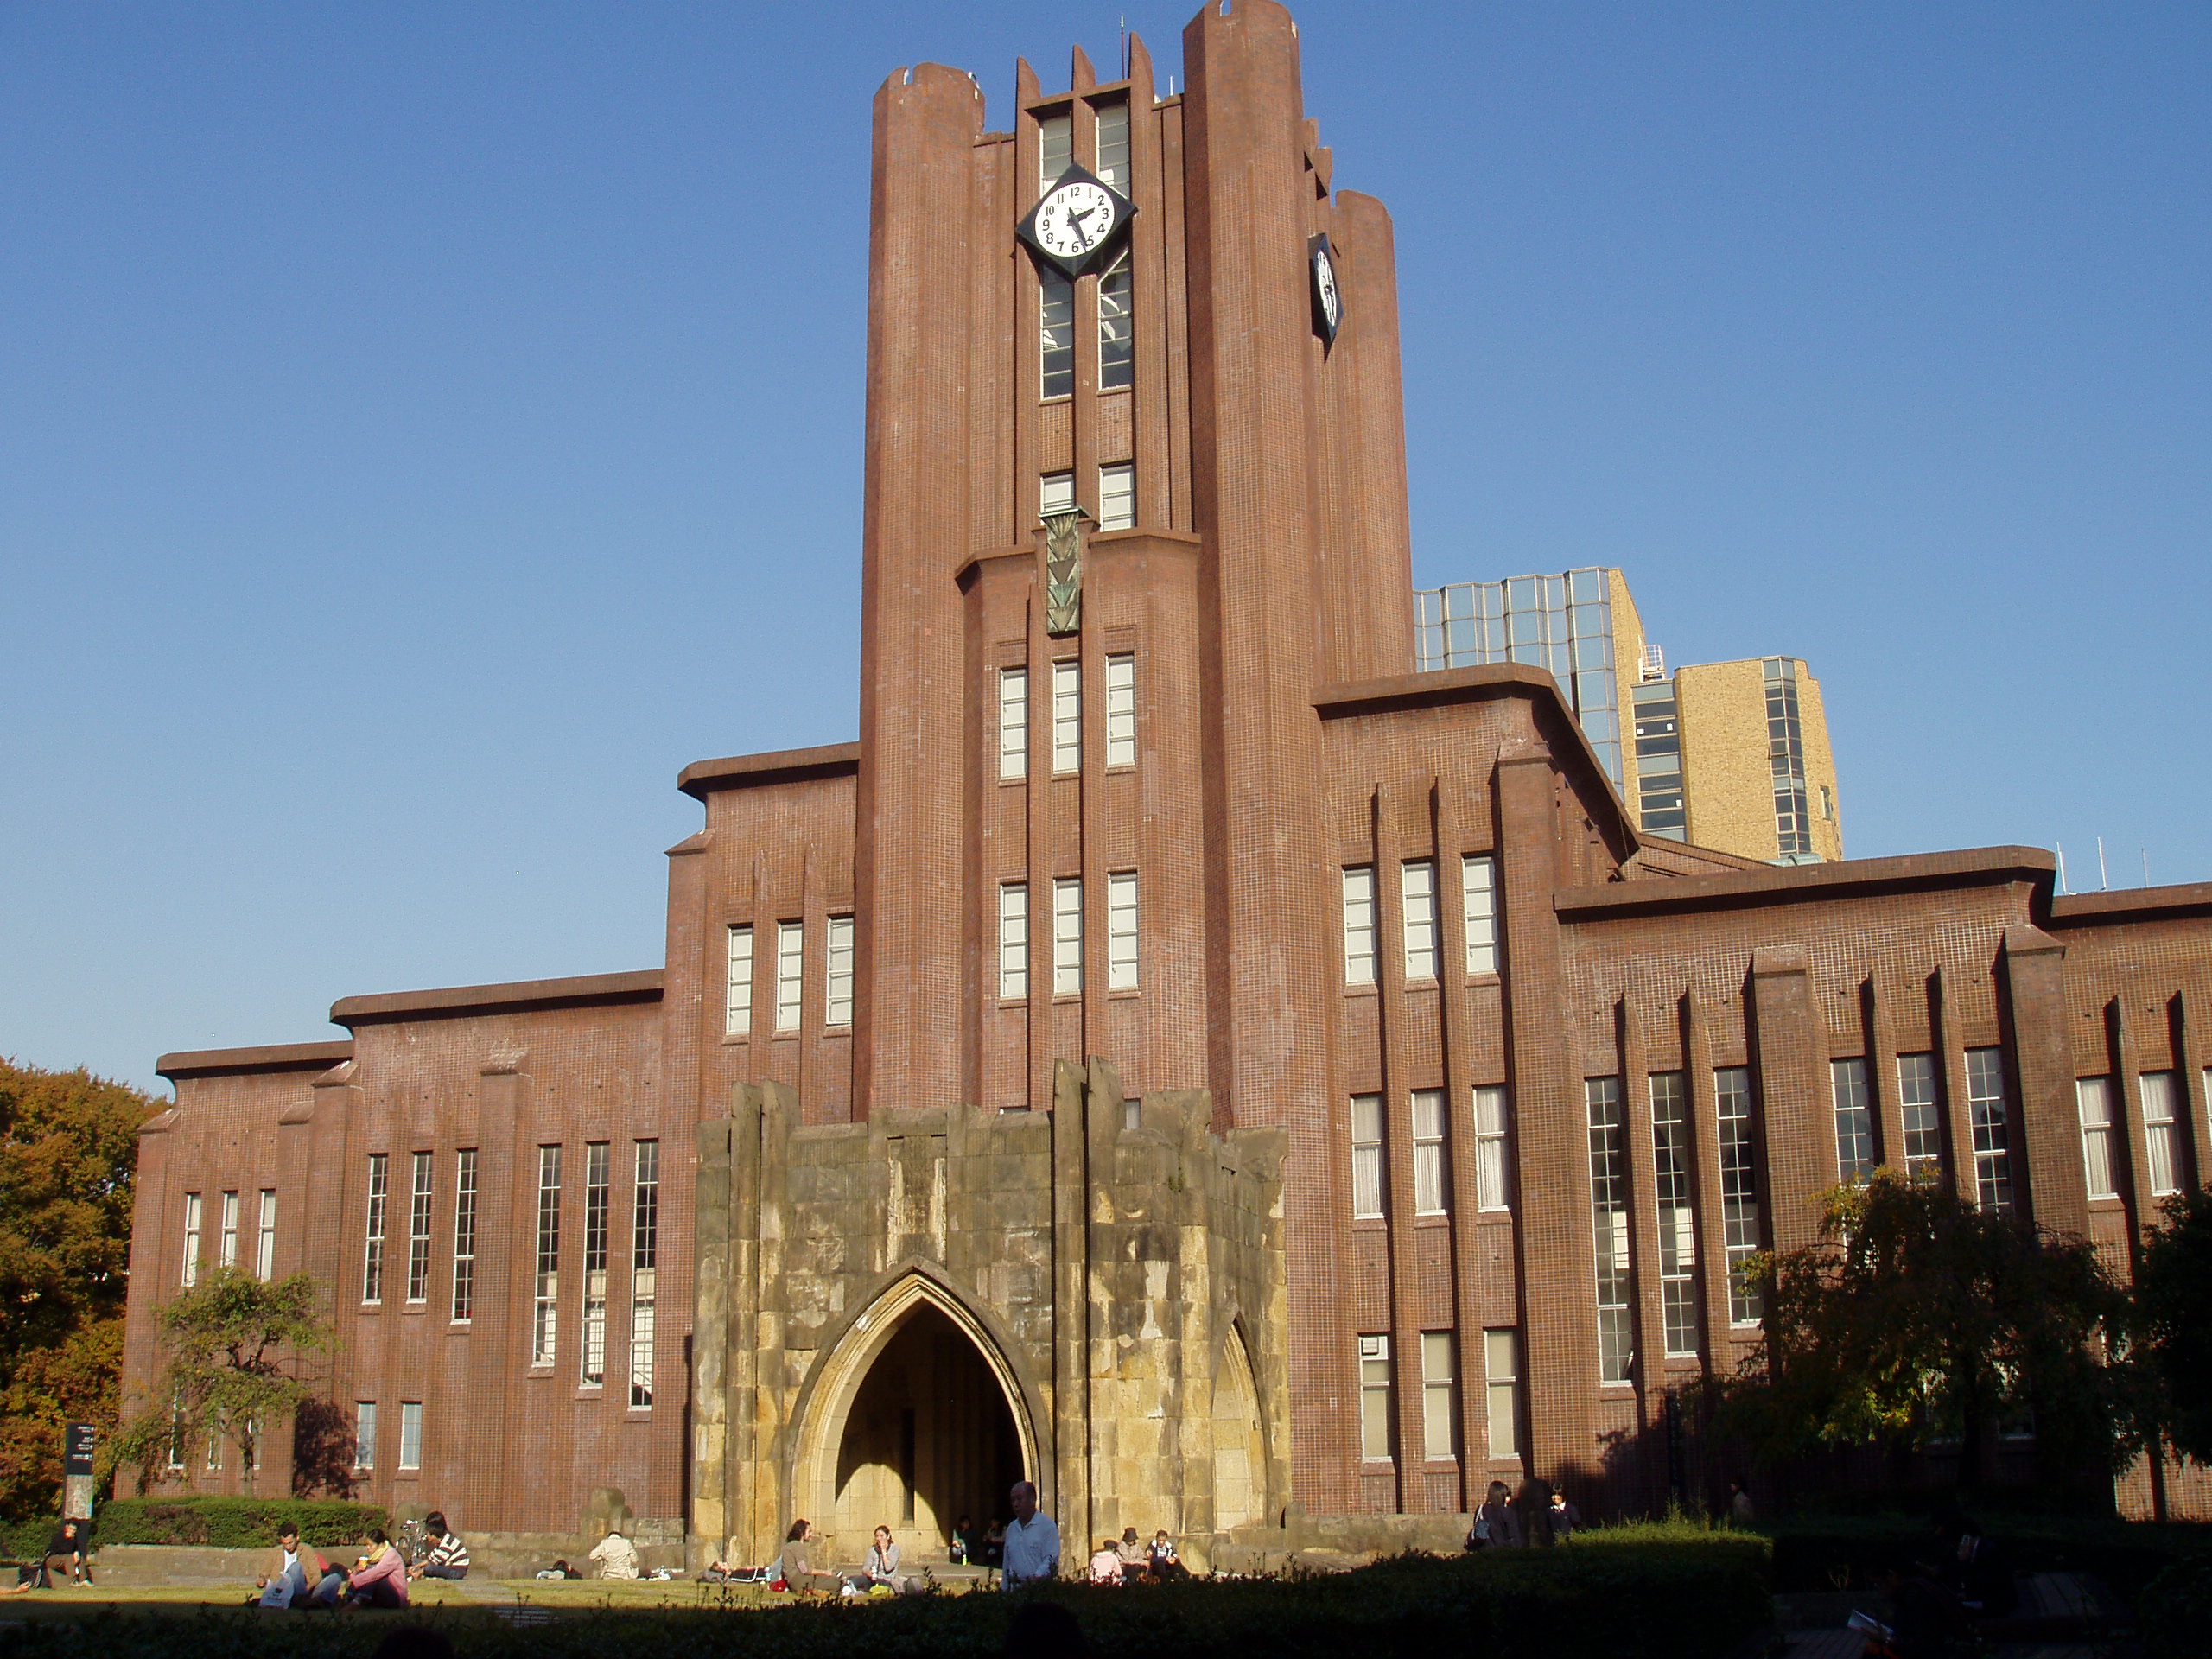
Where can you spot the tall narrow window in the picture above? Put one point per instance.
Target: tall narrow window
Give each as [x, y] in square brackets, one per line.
[596, 1195]
[1417, 898]
[1117, 345]
[1013, 723]
[215, 1445]
[1739, 1192]
[644, 1259]
[192, 1239]
[410, 1434]
[1359, 925]
[226, 1240]
[2093, 1097]
[1502, 1387]
[546, 1287]
[2161, 1132]
[264, 1255]
[1992, 1153]
[1439, 1389]
[1114, 146]
[1067, 717]
[1923, 1131]
[1374, 1398]
[1609, 1220]
[1055, 494]
[837, 1009]
[791, 966]
[418, 1230]
[1854, 1120]
[1055, 149]
[1121, 709]
[737, 1008]
[464, 1234]
[364, 1433]
[1366, 1156]
[1067, 936]
[1013, 939]
[1478, 898]
[1489, 1147]
[372, 1249]
[1122, 932]
[176, 1432]
[1671, 1154]
[1428, 1152]
[1055, 335]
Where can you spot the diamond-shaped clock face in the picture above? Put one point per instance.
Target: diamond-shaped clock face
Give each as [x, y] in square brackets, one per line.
[1328, 298]
[1075, 227]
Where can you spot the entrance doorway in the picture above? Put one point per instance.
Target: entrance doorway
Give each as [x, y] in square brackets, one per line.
[929, 1439]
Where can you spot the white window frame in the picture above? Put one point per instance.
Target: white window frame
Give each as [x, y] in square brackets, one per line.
[2162, 1151]
[737, 991]
[1852, 1096]
[545, 1287]
[1359, 924]
[1055, 149]
[1375, 1402]
[1417, 911]
[1067, 936]
[410, 1434]
[1370, 1186]
[373, 1232]
[1479, 906]
[599, 1208]
[1114, 135]
[1739, 1200]
[790, 974]
[837, 992]
[1121, 931]
[1014, 941]
[1609, 1200]
[1430, 1181]
[264, 1251]
[463, 1305]
[226, 1237]
[645, 1266]
[1055, 494]
[1672, 1155]
[1917, 1092]
[1013, 723]
[1117, 370]
[420, 1193]
[1501, 1391]
[1493, 1190]
[1117, 484]
[1067, 717]
[365, 1434]
[2093, 1100]
[1440, 1397]
[1121, 709]
[1988, 1107]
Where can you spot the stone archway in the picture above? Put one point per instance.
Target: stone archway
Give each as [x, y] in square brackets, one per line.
[915, 1418]
[1240, 1456]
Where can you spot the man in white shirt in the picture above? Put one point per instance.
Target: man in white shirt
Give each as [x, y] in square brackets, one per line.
[1033, 1542]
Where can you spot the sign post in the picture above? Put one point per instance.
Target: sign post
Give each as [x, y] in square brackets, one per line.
[77, 1444]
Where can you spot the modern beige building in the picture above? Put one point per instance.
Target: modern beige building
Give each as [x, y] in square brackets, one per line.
[1732, 755]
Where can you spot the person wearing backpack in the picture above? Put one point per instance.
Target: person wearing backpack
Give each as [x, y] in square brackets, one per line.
[1496, 1526]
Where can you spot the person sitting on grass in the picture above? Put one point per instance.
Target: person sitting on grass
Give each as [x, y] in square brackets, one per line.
[68, 1551]
[616, 1555]
[798, 1560]
[1106, 1563]
[966, 1544]
[446, 1557]
[881, 1568]
[290, 1570]
[377, 1579]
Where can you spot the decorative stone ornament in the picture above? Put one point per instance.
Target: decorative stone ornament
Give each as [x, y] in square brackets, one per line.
[1328, 298]
[1076, 225]
[1064, 571]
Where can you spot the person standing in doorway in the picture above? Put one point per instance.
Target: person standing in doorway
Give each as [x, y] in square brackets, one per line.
[1033, 1542]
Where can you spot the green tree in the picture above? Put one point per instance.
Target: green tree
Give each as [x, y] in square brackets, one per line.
[69, 1151]
[233, 1340]
[1917, 1316]
[2173, 1310]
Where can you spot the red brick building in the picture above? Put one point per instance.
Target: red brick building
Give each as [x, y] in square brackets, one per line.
[1177, 1050]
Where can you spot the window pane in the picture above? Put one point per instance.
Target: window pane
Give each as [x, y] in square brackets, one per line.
[2161, 1142]
[737, 1018]
[1609, 1219]
[1114, 146]
[1121, 711]
[1366, 1155]
[838, 1005]
[1671, 1154]
[1478, 895]
[1417, 890]
[1117, 341]
[1056, 336]
[2094, 1097]
[1489, 1147]
[546, 1287]
[1739, 1206]
[1428, 1152]
[1359, 925]
[1122, 932]
[1992, 1159]
[791, 965]
[1923, 1141]
[1067, 936]
[1013, 723]
[1854, 1120]
[1013, 939]
[1067, 717]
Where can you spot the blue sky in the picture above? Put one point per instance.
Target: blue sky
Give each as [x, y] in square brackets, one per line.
[424, 428]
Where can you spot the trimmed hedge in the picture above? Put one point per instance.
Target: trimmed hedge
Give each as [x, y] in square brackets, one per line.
[1684, 1596]
[1815, 1552]
[2175, 1610]
[233, 1523]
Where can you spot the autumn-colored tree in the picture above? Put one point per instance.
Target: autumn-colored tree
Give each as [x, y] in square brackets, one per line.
[2173, 1304]
[1917, 1316]
[69, 1151]
[233, 1342]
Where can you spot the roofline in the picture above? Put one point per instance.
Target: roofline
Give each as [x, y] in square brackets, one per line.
[703, 778]
[535, 995]
[2131, 904]
[1786, 884]
[246, 1061]
[1441, 686]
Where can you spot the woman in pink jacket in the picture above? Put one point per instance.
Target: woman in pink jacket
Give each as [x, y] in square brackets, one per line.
[379, 1579]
